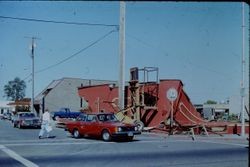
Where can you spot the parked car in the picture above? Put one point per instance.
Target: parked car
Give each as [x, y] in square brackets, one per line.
[64, 113]
[26, 119]
[1, 116]
[104, 125]
[6, 116]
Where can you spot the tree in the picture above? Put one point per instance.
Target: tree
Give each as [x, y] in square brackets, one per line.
[210, 102]
[15, 90]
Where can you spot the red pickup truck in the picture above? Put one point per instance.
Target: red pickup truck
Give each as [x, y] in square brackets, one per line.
[104, 125]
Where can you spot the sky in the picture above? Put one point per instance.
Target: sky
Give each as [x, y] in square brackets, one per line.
[199, 43]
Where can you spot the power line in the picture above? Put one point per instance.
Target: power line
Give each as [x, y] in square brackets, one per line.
[75, 54]
[59, 22]
[188, 61]
[27, 77]
[147, 44]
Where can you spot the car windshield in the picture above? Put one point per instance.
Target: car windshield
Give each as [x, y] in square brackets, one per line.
[107, 118]
[82, 117]
[27, 115]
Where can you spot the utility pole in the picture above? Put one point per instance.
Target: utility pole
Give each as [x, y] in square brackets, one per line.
[248, 60]
[33, 71]
[122, 55]
[243, 75]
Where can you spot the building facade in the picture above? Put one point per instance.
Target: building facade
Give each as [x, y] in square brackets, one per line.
[64, 93]
[5, 107]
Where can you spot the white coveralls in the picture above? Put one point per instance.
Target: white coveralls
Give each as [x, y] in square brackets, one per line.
[45, 124]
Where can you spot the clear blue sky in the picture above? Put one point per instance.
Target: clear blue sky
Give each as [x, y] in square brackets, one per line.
[198, 43]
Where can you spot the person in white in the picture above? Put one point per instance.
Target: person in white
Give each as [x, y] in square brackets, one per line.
[46, 127]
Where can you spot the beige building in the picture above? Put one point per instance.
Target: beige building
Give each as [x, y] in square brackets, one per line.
[63, 93]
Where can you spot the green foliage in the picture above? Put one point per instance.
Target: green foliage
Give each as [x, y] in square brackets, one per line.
[233, 117]
[22, 108]
[15, 90]
[211, 102]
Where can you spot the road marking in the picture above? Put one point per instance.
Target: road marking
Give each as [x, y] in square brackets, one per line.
[17, 157]
[82, 142]
[217, 142]
[56, 143]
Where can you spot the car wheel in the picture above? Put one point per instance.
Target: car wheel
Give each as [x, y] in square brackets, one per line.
[130, 138]
[76, 134]
[106, 135]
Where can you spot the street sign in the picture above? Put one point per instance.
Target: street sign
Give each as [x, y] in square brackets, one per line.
[172, 94]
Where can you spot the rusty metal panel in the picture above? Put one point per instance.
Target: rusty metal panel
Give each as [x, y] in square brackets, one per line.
[154, 106]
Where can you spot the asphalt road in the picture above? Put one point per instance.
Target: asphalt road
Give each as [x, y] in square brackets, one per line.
[21, 147]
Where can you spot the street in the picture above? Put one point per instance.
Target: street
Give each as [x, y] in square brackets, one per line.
[21, 147]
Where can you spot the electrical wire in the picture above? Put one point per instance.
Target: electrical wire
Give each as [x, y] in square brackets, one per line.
[189, 62]
[80, 51]
[73, 55]
[147, 44]
[69, 23]
[204, 68]
[59, 22]
[27, 77]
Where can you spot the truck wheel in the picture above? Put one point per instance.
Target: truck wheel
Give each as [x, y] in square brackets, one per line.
[76, 134]
[106, 135]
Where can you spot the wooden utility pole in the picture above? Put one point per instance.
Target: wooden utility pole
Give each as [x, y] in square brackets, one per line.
[243, 75]
[33, 72]
[122, 55]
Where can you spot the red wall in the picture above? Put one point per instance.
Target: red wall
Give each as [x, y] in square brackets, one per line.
[150, 117]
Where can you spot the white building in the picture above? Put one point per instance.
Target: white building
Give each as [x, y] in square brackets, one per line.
[215, 111]
[5, 108]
